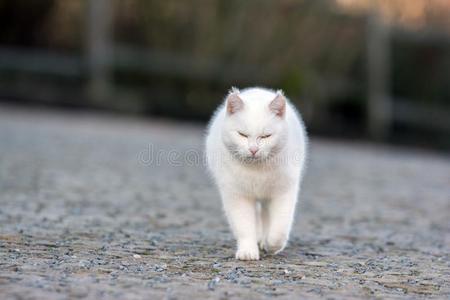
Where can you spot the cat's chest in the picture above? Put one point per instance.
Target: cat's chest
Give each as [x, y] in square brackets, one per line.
[260, 183]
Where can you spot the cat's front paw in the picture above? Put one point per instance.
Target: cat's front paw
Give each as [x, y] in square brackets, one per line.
[275, 244]
[248, 252]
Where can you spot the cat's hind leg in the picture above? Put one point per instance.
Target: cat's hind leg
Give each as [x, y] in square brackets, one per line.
[281, 215]
[262, 224]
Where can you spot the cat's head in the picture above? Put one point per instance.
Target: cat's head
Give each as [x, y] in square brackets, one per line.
[255, 126]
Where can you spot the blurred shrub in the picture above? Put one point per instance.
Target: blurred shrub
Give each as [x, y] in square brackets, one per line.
[178, 58]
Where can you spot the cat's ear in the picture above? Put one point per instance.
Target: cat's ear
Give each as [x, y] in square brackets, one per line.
[278, 105]
[234, 102]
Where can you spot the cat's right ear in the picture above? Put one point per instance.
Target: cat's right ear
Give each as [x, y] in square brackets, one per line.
[278, 105]
[234, 102]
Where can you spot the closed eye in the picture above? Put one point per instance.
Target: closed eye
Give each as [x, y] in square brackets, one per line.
[243, 134]
[265, 136]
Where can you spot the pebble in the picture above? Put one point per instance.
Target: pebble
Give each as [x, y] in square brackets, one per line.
[213, 283]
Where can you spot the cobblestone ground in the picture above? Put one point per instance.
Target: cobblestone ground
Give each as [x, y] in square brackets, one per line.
[86, 212]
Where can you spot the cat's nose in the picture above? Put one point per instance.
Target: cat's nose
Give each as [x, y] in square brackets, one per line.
[253, 150]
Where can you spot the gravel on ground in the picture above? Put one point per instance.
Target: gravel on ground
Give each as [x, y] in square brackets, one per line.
[104, 206]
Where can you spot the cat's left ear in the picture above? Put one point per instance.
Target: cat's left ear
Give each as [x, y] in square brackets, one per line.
[278, 105]
[234, 102]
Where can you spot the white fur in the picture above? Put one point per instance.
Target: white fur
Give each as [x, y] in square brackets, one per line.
[259, 192]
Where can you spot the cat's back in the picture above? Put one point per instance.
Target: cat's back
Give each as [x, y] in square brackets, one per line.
[215, 126]
[213, 139]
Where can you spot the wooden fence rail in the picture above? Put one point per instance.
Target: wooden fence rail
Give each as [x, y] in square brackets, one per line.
[102, 56]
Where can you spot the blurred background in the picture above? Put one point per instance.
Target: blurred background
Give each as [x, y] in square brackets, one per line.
[367, 69]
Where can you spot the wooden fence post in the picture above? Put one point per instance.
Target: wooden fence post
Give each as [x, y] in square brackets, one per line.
[99, 49]
[379, 108]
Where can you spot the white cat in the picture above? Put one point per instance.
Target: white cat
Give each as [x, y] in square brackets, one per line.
[256, 149]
